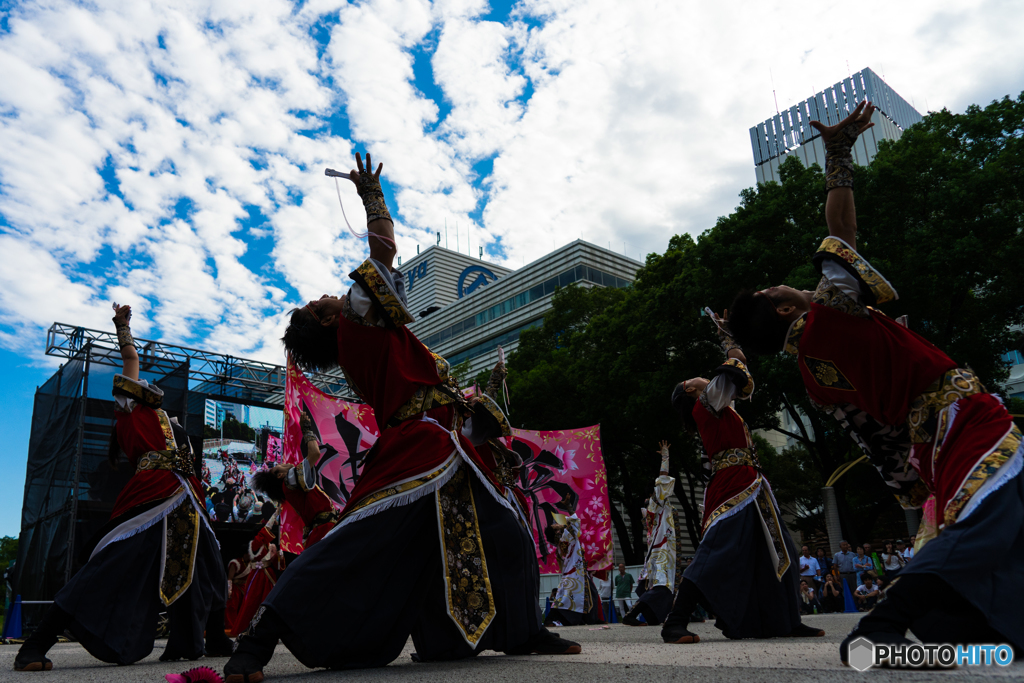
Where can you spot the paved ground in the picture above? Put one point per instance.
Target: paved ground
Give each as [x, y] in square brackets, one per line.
[617, 654]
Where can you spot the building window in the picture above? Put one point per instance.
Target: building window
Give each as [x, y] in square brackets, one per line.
[1013, 358]
[519, 300]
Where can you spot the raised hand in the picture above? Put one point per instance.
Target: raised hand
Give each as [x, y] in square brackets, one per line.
[122, 315]
[663, 445]
[861, 115]
[364, 178]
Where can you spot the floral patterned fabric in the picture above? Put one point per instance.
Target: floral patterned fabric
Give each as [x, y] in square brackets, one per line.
[572, 595]
[660, 563]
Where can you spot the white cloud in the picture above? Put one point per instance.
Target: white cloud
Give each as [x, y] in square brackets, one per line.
[634, 128]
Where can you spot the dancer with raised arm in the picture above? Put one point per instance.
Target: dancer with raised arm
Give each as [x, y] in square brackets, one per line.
[660, 563]
[928, 426]
[576, 599]
[156, 553]
[424, 520]
[744, 568]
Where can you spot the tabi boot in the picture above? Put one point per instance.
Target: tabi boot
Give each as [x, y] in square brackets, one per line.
[32, 655]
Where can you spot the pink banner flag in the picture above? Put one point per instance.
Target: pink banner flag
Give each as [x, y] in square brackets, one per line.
[275, 449]
[346, 432]
[562, 467]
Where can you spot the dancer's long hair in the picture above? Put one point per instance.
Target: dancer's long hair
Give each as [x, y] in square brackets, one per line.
[683, 404]
[312, 346]
[269, 485]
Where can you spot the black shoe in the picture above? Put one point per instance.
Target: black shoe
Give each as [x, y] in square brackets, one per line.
[219, 645]
[243, 668]
[678, 634]
[546, 643]
[29, 659]
[804, 631]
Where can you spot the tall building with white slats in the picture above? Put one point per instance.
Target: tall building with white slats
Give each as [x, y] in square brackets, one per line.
[789, 132]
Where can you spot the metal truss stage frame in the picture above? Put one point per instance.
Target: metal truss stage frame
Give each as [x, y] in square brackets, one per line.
[217, 375]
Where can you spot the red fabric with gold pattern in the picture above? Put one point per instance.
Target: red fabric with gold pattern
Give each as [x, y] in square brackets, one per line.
[725, 484]
[874, 363]
[719, 434]
[722, 432]
[980, 424]
[139, 432]
[309, 504]
[385, 365]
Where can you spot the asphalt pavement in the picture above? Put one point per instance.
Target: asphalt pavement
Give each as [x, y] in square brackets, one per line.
[617, 653]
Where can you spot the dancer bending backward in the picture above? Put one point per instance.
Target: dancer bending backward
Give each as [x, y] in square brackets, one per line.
[660, 564]
[156, 553]
[424, 521]
[743, 570]
[928, 426]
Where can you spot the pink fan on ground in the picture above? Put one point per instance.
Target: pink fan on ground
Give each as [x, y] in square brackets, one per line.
[202, 674]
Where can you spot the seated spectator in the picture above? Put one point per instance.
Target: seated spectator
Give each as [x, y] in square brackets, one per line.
[892, 561]
[825, 565]
[808, 600]
[832, 595]
[867, 594]
[863, 565]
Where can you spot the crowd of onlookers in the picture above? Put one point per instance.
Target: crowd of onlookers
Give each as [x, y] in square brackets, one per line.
[864, 572]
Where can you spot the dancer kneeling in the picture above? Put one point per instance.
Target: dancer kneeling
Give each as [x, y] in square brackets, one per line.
[660, 563]
[157, 552]
[424, 522]
[743, 570]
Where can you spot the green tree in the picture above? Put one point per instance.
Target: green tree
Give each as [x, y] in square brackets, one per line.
[940, 213]
[8, 554]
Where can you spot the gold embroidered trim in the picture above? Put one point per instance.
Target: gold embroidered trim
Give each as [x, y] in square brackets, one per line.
[325, 517]
[748, 388]
[468, 586]
[879, 286]
[771, 521]
[954, 385]
[388, 303]
[399, 489]
[733, 457]
[182, 542]
[178, 460]
[828, 295]
[985, 469]
[146, 395]
[796, 330]
[731, 503]
[492, 407]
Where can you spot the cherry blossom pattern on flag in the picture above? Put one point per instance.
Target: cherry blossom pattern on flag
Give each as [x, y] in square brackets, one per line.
[346, 432]
[560, 466]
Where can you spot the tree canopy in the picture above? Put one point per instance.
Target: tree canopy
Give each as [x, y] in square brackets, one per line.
[939, 213]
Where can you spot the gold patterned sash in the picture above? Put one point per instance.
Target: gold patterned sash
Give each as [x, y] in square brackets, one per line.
[181, 543]
[467, 585]
[732, 457]
[923, 418]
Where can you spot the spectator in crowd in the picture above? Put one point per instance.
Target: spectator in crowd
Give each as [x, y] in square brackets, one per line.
[843, 560]
[867, 594]
[825, 565]
[832, 595]
[623, 590]
[863, 565]
[908, 554]
[892, 561]
[809, 569]
[808, 598]
[876, 564]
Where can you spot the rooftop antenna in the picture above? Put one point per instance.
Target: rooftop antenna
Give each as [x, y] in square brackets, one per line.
[438, 238]
[776, 97]
[445, 233]
[457, 247]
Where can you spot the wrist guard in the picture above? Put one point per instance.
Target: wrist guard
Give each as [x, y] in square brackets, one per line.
[370, 192]
[728, 344]
[664, 460]
[124, 336]
[839, 159]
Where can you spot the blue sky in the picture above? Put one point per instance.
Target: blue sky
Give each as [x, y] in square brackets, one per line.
[171, 155]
